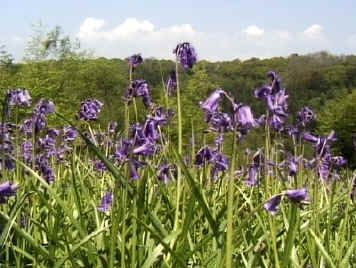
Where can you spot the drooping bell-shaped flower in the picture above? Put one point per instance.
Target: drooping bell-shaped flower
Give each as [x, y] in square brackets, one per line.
[122, 154]
[324, 167]
[277, 103]
[27, 151]
[47, 172]
[297, 195]
[139, 88]
[47, 143]
[148, 148]
[220, 122]
[293, 164]
[305, 115]
[272, 204]
[27, 126]
[211, 104]
[244, 117]
[310, 137]
[90, 109]
[69, 134]
[204, 155]
[106, 202]
[135, 60]
[221, 163]
[270, 88]
[166, 172]
[99, 165]
[53, 132]
[161, 115]
[7, 189]
[19, 97]
[45, 106]
[151, 130]
[293, 131]
[275, 82]
[135, 164]
[338, 161]
[186, 55]
[253, 174]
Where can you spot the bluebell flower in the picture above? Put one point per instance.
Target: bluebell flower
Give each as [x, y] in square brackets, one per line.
[220, 162]
[186, 55]
[106, 202]
[27, 151]
[7, 189]
[147, 148]
[19, 97]
[253, 174]
[244, 117]
[45, 106]
[135, 60]
[297, 195]
[166, 172]
[211, 104]
[69, 134]
[90, 109]
[99, 165]
[205, 154]
[221, 122]
[305, 115]
[135, 164]
[272, 204]
[139, 88]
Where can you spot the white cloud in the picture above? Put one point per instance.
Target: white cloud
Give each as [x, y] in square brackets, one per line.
[313, 32]
[130, 26]
[91, 29]
[132, 36]
[254, 31]
[142, 36]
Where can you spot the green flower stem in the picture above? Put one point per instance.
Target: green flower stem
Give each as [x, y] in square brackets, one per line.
[230, 206]
[179, 171]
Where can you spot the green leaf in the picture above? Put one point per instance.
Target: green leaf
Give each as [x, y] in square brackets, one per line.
[200, 198]
[13, 215]
[348, 254]
[26, 236]
[158, 250]
[322, 249]
[77, 246]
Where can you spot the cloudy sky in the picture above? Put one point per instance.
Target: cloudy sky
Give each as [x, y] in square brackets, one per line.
[220, 30]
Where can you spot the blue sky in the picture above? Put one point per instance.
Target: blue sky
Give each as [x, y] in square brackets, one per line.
[220, 30]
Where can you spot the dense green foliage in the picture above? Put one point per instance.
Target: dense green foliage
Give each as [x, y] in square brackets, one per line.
[311, 80]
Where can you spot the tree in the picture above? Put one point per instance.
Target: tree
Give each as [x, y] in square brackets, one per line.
[340, 115]
[52, 45]
[6, 59]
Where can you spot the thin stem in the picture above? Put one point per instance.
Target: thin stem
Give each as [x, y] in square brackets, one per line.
[179, 171]
[230, 202]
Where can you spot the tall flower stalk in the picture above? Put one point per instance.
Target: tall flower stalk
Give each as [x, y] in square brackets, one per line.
[230, 205]
[179, 170]
[186, 55]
